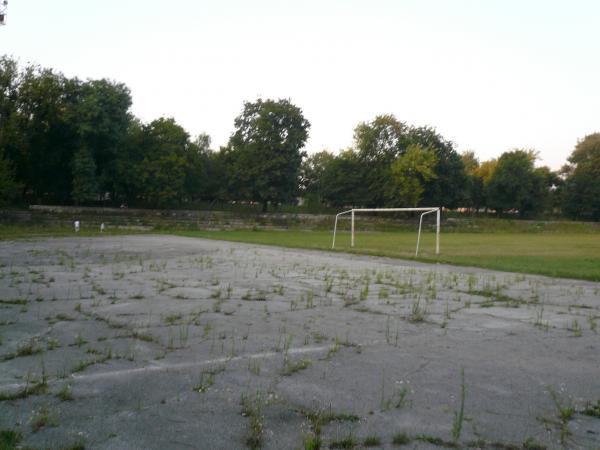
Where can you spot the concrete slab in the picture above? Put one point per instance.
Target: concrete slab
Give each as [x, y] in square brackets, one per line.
[157, 342]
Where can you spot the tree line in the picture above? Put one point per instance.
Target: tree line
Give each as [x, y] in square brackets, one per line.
[70, 141]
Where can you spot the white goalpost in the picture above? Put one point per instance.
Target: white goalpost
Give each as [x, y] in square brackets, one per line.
[424, 212]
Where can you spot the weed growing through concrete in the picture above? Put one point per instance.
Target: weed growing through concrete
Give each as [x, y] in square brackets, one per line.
[334, 348]
[258, 296]
[29, 348]
[172, 319]
[207, 379]
[564, 414]
[371, 441]
[592, 410]
[43, 418]
[539, 322]
[400, 439]
[318, 418]
[312, 442]
[459, 416]
[254, 367]
[346, 442]
[592, 323]
[290, 368]
[252, 409]
[364, 292]
[79, 341]
[383, 294]
[278, 289]
[65, 394]
[575, 328]
[418, 312]
[329, 281]
[84, 364]
[32, 387]
[10, 439]
[531, 444]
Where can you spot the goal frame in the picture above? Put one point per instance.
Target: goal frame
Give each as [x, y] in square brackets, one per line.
[424, 211]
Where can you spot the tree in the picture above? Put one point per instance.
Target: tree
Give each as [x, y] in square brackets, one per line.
[410, 172]
[474, 197]
[516, 184]
[449, 187]
[197, 176]
[47, 105]
[265, 151]
[101, 117]
[11, 135]
[342, 181]
[163, 166]
[581, 192]
[85, 187]
[9, 188]
[312, 171]
[378, 143]
[217, 183]
[129, 184]
[46, 118]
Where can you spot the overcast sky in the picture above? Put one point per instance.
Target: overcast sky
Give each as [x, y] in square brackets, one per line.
[489, 75]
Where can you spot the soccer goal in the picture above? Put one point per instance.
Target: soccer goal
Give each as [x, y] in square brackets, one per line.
[423, 211]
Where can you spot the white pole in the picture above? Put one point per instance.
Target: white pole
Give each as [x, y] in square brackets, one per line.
[334, 230]
[352, 228]
[437, 233]
[419, 234]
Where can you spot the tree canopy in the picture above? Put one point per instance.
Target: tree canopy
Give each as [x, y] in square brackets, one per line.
[516, 184]
[582, 185]
[70, 141]
[265, 151]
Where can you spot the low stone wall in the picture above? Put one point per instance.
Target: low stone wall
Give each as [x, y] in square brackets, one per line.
[155, 218]
[147, 219]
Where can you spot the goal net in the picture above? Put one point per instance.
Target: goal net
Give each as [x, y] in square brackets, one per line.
[424, 211]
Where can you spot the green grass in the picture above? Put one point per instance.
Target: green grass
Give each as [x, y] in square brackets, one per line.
[21, 231]
[558, 249]
[9, 439]
[560, 254]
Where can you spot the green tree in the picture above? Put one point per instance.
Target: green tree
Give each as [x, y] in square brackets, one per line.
[197, 171]
[217, 183]
[410, 172]
[449, 187]
[474, 197]
[581, 192]
[85, 187]
[312, 171]
[46, 118]
[342, 180]
[378, 143]
[47, 100]
[265, 151]
[11, 135]
[162, 169]
[10, 189]
[516, 184]
[129, 184]
[101, 117]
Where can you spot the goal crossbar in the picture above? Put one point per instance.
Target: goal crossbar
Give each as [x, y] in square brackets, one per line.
[424, 211]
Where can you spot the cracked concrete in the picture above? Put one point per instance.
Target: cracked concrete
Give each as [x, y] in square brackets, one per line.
[157, 340]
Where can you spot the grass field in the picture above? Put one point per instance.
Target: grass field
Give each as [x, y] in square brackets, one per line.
[569, 255]
[24, 231]
[565, 253]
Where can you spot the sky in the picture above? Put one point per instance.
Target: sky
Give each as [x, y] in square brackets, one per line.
[489, 75]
